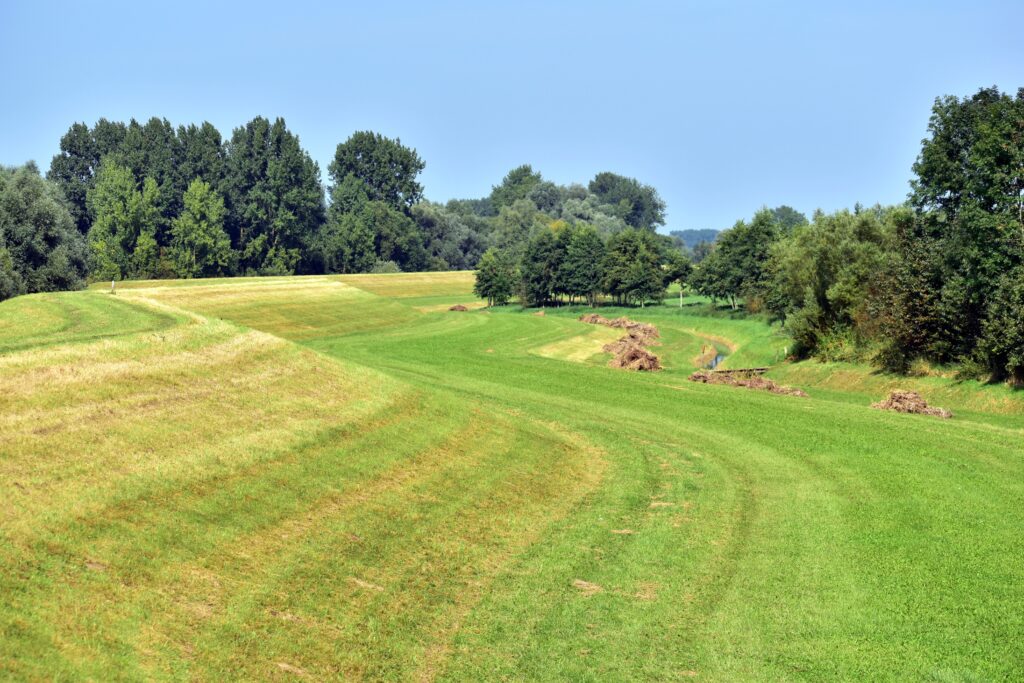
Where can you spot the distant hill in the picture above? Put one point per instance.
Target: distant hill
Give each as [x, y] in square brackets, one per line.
[694, 237]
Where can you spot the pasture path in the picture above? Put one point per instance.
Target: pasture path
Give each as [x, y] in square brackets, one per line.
[338, 479]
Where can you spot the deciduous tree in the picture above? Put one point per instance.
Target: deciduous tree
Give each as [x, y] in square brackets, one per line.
[200, 246]
[122, 238]
[495, 280]
[273, 195]
[41, 249]
[386, 167]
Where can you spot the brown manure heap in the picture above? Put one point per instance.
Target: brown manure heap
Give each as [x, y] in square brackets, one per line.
[629, 352]
[902, 401]
[634, 357]
[747, 381]
[458, 307]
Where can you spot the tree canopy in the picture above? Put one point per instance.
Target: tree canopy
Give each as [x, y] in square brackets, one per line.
[387, 169]
[41, 249]
[637, 204]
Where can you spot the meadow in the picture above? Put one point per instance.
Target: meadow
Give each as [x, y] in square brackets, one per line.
[336, 478]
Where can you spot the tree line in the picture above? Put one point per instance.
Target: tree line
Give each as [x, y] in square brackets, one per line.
[575, 262]
[148, 200]
[939, 279]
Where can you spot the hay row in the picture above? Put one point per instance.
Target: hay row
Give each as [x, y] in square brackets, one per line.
[747, 381]
[630, 351]
[902, 401]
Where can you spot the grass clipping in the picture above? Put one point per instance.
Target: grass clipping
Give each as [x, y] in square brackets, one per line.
[747, 381]
[902, 401]
[630, 351]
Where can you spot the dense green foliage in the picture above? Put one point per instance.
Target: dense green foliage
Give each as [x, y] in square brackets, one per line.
[939, 280]
[122, 238]
[637, 204]
[495, 278]
[200, 246]
[40, 249]
[822, 277]
[386, 169]
[573, 260]
[273, 189]
[278, 218]
[577, 242]
[969, 233]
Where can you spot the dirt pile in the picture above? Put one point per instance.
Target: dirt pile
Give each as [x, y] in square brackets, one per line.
[910, 402]
[634, 338]
[630, 352]
[747, 381]
[637, 330]
[635, 357]
[458, 307]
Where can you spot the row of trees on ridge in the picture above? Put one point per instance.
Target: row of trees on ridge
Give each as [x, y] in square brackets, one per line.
[148, 200]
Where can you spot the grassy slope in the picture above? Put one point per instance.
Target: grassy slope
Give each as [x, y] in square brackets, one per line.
[416, 494]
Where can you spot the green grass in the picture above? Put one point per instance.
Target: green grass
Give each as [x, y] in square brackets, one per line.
[336, 478]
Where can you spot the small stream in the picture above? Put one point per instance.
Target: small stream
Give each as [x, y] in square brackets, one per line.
[715, 361]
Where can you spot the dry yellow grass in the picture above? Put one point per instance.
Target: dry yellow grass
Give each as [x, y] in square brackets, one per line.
[77, 421]
[190, 484]
[414, 285]
[292, 308]
[444, 306]
[582, 347]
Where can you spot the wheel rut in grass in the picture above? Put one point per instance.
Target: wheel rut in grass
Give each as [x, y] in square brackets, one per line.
[402, 557]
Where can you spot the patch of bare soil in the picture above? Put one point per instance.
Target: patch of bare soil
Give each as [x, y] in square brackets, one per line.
[747, 381]
[630, 352]
[902, 401]
[540, 314]
[586, 588]
[458, 307]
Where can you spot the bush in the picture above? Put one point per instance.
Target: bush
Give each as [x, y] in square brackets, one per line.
[385, 267]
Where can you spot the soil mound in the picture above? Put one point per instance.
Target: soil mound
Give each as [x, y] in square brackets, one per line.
[747, 381]
[458, 307]
[630, 350]
[632, 356]
[902, 401]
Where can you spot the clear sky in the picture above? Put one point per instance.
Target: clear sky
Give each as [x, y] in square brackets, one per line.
[723, 106]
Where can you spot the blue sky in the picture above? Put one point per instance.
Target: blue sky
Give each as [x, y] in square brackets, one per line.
[724, 106]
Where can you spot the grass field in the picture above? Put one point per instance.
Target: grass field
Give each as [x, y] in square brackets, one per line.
[335, 478]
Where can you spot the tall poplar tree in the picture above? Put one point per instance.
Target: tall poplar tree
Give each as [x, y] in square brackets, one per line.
[273, 195]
